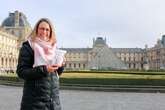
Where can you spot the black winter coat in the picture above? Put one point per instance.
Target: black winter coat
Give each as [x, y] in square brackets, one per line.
[41, 89]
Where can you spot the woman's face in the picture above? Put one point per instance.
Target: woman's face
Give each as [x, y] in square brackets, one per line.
[44, 31]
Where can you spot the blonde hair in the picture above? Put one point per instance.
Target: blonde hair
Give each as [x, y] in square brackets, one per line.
[34, 32]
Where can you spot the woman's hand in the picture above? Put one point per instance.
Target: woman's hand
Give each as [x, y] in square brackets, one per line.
[52, 68]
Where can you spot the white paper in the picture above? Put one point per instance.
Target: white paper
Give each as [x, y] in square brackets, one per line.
[59, 56]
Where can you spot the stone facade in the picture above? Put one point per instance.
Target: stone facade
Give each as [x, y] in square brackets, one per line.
[100, 56]
[8, 51]
[156, 55]
[16, 24]
[13, 32]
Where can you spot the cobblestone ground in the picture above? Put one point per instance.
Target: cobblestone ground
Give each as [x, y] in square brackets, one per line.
[90, 100]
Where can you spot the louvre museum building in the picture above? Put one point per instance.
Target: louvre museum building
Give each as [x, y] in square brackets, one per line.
[15, 28]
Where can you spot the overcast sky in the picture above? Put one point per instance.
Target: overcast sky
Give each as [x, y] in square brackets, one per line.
[124, 23]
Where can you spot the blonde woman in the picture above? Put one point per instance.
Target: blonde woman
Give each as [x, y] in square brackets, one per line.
[41, 83]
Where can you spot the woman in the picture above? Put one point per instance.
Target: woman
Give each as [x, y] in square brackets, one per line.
[41, 83]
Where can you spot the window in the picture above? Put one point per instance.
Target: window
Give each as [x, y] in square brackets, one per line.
[70, 65]
[74, 65]
[83, 65]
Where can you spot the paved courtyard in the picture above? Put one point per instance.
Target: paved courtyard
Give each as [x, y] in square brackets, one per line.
[90, 100]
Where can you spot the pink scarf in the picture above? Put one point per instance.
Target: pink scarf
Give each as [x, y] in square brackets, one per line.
[44, 52]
